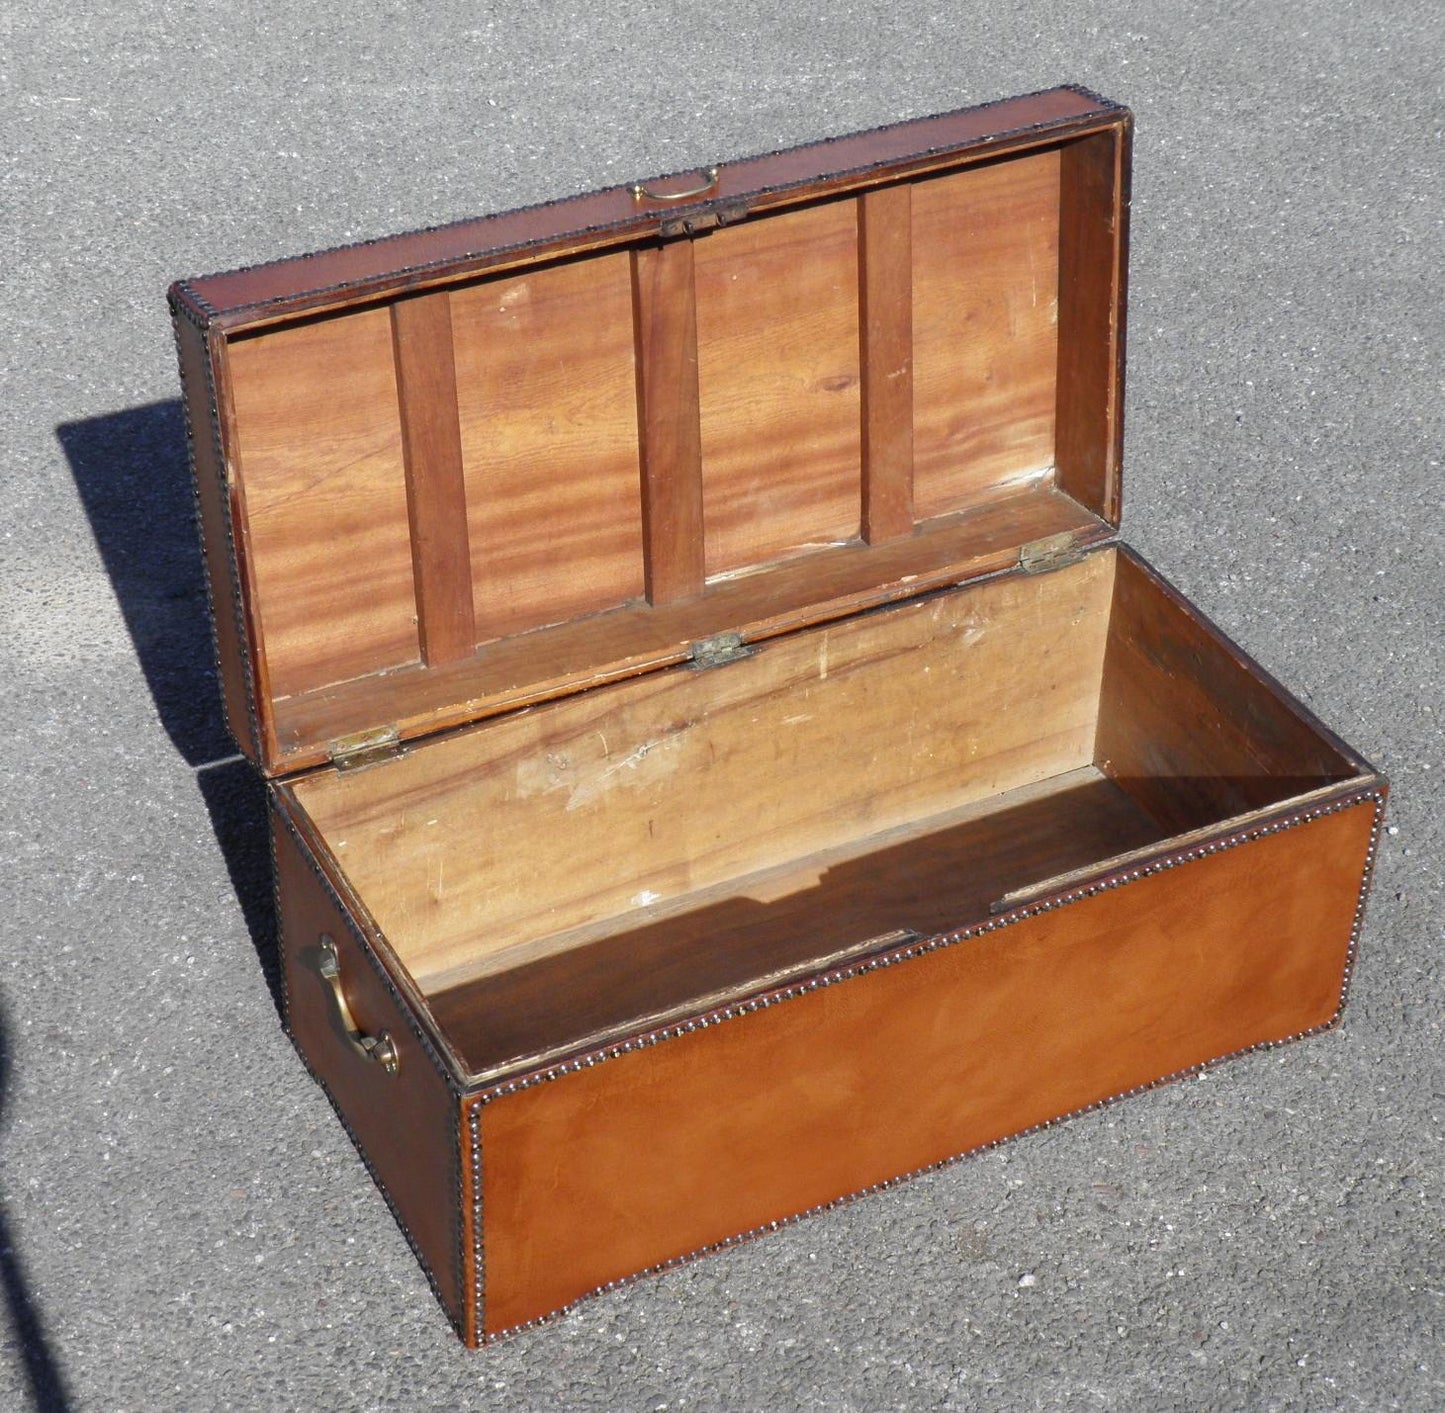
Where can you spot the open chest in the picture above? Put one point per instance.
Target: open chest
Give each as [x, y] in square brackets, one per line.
[721, 761]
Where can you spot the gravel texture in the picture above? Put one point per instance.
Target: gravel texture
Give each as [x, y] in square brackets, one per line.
[183, 1223]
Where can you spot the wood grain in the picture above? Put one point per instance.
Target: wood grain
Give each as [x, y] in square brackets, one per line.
[478, 849]
[778, 372]
[664, 305]
[426, 379]
[1093, 217]
[317, 439]
[985, 333]
[762, 930]
[1189, 725]
[549, 443]
[885, 257]
[740, 401]
[607, 646]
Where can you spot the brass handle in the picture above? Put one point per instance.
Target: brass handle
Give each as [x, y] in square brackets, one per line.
[381, 1048]
[641, 192]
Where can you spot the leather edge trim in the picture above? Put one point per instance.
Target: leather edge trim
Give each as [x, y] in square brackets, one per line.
[476, 1267]
[233, 573]
[186, 291]
[674, 1030]
[464, 1321]
[1376, 795]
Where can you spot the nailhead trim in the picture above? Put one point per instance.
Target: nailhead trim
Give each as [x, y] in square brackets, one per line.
[232, 571]
[459, 1319]
[233, 568]
[190, 293]
[271, 811]
[479, 1260]
[946, 939]
[364, 946]
[904, 954]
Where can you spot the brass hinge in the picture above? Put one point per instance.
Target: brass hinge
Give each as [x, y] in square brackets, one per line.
[1051, 552]
[364, 748]
[715, 651]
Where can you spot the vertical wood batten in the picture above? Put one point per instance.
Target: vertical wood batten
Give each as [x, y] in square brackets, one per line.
[664, 307]
[885, 270]
[426, 383]
[1093, 249]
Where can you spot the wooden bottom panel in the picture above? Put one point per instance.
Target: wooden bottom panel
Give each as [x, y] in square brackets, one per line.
[772, 926]
[671, 1148]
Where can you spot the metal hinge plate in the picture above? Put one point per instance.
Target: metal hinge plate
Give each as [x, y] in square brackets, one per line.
[716, 213]
[1051, 552]
[717, 650]
[364, 748]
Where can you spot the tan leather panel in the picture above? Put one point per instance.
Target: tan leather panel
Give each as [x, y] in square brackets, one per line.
[406, 1122]
[654, 1154]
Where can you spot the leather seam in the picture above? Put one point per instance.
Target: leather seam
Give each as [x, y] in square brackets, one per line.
[478, 1252]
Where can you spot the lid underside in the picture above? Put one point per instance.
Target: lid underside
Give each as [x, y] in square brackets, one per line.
[516, 483]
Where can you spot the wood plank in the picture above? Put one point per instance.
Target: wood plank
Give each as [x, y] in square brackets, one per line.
[985, 333]
[885, 258]
[1189, 725]
[494, 842]
[1093, 249]
[777, 319]
[316, 440]
[426, 380]
[608, 646]
[549, 443]
[665, 319]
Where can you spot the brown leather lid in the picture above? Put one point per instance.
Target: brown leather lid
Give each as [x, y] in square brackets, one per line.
[471, 468]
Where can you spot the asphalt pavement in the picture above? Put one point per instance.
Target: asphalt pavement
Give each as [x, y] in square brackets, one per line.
[183, 1223]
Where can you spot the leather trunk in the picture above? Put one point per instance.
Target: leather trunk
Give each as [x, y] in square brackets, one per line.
[721, 760]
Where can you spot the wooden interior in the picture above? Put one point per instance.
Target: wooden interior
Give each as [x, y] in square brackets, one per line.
[596, 449]
[507, 519]
[558, 873]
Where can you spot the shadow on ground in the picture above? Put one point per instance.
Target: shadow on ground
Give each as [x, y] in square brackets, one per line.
[133, 474]
[47, 1387]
